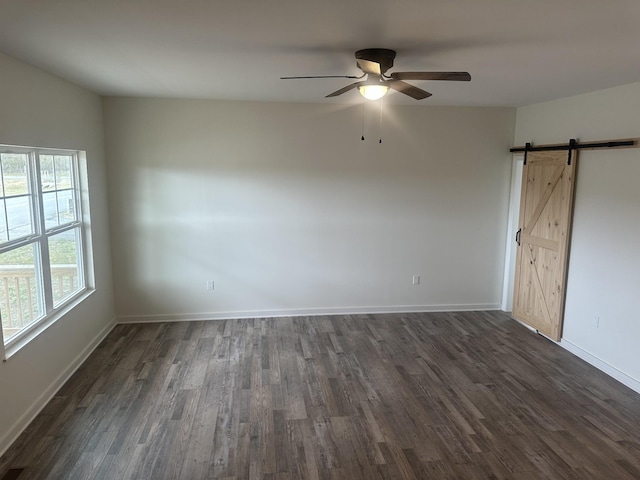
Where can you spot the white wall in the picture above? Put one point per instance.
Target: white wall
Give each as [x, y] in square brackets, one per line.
[38, 109]
[288, 211]
[604, 266]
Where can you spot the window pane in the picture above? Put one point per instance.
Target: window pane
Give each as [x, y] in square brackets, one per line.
[14, 172]
[50, 205]
[19, 217]
[64, 260]
[46, 173]
[63, 171]
[66, 206]
[20, 291]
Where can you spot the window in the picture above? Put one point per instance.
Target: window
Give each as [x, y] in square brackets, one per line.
[42, 267]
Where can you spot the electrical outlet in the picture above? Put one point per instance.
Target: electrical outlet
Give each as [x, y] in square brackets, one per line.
[416, 280]
[210, 284]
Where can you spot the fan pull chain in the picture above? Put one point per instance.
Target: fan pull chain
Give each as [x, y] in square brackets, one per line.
[380, 141]
[362, 122]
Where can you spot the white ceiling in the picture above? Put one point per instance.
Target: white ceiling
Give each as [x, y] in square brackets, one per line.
[517, 51]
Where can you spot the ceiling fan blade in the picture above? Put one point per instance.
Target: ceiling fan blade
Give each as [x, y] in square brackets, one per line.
[452, 76]
[322, 76]
[407, 89]
[368, 66]
[344, 89]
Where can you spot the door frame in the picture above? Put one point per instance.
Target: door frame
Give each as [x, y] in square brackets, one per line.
[509, 274]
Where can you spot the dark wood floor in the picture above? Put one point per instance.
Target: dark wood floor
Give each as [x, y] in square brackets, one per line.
[469, 395]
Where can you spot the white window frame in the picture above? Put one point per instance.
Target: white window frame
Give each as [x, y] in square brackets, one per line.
[40, 240]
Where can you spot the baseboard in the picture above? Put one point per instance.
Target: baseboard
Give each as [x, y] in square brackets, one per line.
[302, 312]
[600, 364]
[23, 422]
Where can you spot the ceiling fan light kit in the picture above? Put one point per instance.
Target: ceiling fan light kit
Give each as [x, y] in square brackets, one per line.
[374, 63]
[373, 91]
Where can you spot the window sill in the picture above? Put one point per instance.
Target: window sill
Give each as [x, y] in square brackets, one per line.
[14, 346]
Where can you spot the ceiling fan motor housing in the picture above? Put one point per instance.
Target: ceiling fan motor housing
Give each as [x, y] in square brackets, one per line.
[382, 56]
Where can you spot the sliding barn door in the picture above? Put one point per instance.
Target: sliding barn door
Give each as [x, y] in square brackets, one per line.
[546, 207]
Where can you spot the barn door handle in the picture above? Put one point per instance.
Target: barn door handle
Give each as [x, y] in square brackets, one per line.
[518, 236]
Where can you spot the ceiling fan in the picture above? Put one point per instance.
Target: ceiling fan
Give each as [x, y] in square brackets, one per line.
[374, 63]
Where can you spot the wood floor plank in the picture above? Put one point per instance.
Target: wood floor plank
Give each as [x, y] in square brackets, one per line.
[448, 395]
